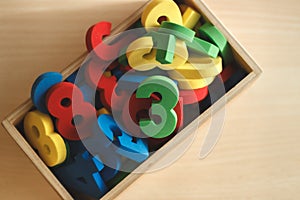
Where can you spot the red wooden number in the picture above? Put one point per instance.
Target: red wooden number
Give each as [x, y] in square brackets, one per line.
[227, 73]
[65, 102]
[107, 86]
[106, 52]
[95, 70]
[102, 80]
[95, 36]
[193, 96]
[138, 109]
[179, 111]
[155, 143]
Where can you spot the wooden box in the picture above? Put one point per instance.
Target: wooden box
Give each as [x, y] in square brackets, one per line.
[240, 55]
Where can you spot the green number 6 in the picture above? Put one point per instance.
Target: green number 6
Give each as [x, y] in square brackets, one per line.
[169, 93]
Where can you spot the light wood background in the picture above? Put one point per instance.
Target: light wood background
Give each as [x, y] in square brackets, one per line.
[258, 155]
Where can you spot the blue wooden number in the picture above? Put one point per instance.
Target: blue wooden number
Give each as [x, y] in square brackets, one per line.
[40, 88]
[125, 145]
[83, 175]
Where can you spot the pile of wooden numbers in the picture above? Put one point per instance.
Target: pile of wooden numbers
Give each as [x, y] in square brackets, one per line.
[81, 127]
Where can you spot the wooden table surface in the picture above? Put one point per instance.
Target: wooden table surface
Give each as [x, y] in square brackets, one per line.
[258, 155]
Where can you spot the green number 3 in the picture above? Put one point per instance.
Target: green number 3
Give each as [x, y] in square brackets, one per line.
[169, 94]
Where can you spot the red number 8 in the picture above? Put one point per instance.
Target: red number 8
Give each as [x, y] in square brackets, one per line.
[60, 99]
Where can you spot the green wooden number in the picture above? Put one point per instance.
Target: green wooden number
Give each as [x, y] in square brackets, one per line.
[177, 30]
[165, 45]
[169, 93]
[203, 47]
[213, 34]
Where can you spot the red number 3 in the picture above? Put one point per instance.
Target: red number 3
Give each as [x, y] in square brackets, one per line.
[61, 100]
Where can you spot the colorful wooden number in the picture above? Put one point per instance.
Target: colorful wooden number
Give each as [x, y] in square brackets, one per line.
[104, 81]
[198, 74]
[155, 143]
[95, 70]
[190, 17]
[107, 84]
[212, 33]
[193, 96]
[39, 131]
[88, 93]
[103, 111]
[133, 148]
[106, 52]
[157, 9]
[227, 73]
[138, 108]
[86, 89]
[198, 68]
[129, 82]
[164, 108]
[193, 84]
[40, 87]
[140, 54]
[142, 57]
[177, 30]
[65, 101]
[232, 76]
[83, 174]
[179, 112]
[203, 47]
[108, 140]
[99, 144]
[164, 45]
[94, 37]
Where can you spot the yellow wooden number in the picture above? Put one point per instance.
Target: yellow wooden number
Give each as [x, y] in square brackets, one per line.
[142, 56]
[39, 132]
[197, 73]
[161, 8]
[193, 84]
[198, 68]
[103, 111]
[190, 17]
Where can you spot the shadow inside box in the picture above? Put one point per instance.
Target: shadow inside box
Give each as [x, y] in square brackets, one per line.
[216, 90]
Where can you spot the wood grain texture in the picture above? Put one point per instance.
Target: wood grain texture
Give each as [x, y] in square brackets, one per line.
[258, 155]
